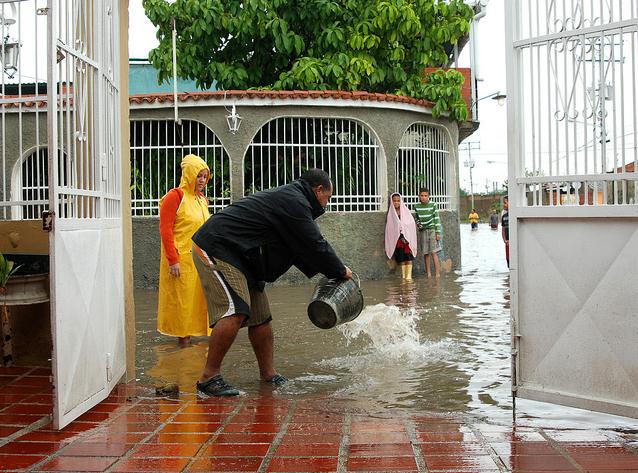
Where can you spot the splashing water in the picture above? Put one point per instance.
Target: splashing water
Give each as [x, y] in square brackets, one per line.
[390, 330]
[389, 334]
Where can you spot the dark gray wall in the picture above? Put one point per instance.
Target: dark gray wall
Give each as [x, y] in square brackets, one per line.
[356, 237]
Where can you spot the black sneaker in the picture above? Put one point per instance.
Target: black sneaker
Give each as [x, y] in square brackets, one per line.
[277, 380]
[216, 386]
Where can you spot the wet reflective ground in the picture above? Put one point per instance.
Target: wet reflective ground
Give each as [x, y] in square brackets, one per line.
[437, 345]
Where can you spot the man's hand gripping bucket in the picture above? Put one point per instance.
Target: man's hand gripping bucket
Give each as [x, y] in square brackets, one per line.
[335, 301]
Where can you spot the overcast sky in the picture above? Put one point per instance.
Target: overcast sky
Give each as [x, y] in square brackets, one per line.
[491, 159]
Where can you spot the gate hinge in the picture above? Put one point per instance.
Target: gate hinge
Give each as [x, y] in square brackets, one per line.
[47, 220]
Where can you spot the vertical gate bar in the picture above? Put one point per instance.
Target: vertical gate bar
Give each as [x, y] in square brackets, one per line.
[614, 115]
[623, 138]
[634, 62]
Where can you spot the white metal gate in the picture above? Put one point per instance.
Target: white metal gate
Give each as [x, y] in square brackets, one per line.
[87, 293]
[573, 146]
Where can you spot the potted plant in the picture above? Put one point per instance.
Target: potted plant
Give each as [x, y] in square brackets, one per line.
[7, 269]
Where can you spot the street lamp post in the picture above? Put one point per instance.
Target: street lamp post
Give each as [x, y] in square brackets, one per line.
[498, 96]
[469, 162]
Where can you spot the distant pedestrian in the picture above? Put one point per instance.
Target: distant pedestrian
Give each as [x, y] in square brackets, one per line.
[474, 219]
[505, 226]
[494, 220]
[429, 224]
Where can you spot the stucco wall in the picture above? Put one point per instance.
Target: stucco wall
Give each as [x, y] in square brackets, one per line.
[356, 237]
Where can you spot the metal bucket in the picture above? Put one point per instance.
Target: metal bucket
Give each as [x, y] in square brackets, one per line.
[335, 302]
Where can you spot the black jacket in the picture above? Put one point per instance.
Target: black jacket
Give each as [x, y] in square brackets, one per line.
[264, 234]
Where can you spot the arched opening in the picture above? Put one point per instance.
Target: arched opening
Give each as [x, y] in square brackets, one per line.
[423, 161]
[30, 183]
[285, 147]
[157, 148]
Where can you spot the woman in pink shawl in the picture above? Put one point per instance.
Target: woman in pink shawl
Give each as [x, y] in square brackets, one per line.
[400, 235]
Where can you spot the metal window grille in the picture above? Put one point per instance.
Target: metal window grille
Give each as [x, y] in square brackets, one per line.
[30, 183]
[578, 102]
[423, 161]
[156, 154]
[285, 147]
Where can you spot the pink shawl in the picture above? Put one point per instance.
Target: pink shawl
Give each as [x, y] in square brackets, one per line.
[394, 226]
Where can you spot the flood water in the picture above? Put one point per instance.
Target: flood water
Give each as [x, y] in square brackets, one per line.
[437, 345]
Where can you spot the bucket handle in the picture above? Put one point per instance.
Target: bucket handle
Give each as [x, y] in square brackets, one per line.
[358, 281]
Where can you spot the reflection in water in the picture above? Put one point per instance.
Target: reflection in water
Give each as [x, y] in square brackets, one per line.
[437, 345]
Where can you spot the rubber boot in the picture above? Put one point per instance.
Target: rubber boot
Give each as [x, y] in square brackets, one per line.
[408, 272]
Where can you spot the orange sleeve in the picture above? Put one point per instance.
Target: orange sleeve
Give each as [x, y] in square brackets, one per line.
[168, 212]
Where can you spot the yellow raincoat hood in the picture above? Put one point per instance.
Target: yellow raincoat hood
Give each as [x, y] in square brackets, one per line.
[191, 167]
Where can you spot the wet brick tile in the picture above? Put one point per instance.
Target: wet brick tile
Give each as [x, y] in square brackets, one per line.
[135, 465]
[301, 464]
[317, 418]
[19, 462]
[102, 436]
[96, 449]
[577, 436]
[78, 464]
[374, 427]
[627, 461]
[236, 450]
[459, 462]
[31, 448]
[190, 428]
[381, 464]
[6, 430]
[18, 419]
[222, 464]
[445, 427]
[252, 428]
[48, 437]
[244, 438]
[208, 408]
[31, 409]
[382, 437]
[308, 428]
[446, 437]
[198, 417]
[308, 450]
[187, 450]
[180, 438]
[299, 439]
[524, 448]
[453, 448]
[520, 463]
[381, 450]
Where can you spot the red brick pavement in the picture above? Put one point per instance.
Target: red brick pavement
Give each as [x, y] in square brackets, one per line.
[135, 431]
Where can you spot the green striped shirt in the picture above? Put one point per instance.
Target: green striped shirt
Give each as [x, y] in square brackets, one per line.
[428, 216]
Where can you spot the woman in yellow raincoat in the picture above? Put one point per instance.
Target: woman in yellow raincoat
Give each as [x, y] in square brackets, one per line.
[182, 310]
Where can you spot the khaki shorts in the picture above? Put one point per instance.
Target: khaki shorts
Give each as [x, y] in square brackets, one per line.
[428, 243]
[227, 292]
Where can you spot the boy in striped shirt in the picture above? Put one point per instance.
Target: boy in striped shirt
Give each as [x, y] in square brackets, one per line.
[429, 225]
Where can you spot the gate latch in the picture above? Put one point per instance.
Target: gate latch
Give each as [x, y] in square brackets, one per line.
[47, 220]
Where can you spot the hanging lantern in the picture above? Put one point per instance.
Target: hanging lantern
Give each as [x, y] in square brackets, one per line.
[233, 120]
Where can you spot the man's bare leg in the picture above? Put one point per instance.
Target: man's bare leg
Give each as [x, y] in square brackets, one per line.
[428, 271]
[219, 342]
[262, 339]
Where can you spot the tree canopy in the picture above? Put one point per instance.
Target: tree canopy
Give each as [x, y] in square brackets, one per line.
[368, 45]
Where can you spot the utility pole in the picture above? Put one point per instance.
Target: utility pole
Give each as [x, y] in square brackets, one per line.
[469, 162]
